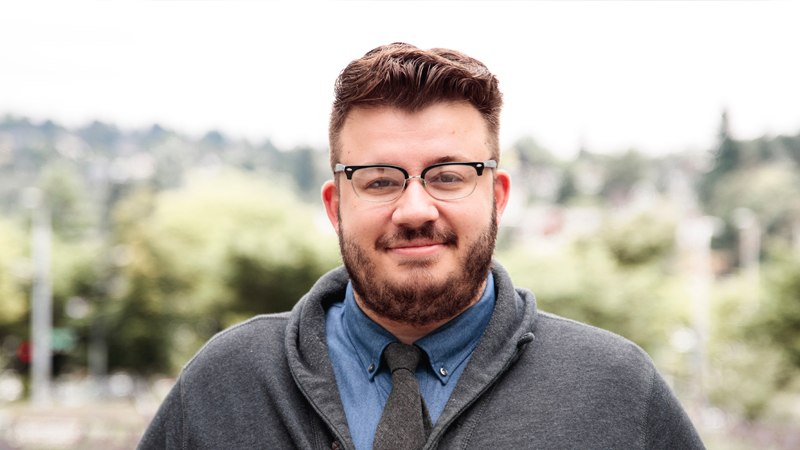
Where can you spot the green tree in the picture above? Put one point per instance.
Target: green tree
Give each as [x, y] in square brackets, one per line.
[779, 315]
[727, 157]
[14, 278]
[613, 283]
[641, 239]
[66, 196]
[204, 257]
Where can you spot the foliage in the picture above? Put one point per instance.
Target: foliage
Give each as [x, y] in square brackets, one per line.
[771, 190]
[778, 318]
[760, 175]
[727, 157]
[641, 239]
[746, 369]
[67, 199]
[608, 283]
[220, 250]
[14, 277]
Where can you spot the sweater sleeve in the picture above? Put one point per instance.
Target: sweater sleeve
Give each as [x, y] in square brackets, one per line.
[667, 424]
[166, 429]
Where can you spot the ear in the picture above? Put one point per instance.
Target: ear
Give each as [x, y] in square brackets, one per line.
[502, 190]
[330, 198]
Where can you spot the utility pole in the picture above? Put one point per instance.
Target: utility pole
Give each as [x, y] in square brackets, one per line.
[749, 250]
[41, 297]
[694, 236]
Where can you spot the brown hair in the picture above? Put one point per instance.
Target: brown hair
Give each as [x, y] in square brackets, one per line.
[402, 76]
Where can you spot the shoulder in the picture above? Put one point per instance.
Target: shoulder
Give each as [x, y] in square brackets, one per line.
[247, 342]
[584, 370]
[575, 346]
[572, 332]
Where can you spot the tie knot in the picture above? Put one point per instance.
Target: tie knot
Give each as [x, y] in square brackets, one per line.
[402, 356]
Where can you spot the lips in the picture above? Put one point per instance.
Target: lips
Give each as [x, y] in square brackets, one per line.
[417, 252]
[415, 244]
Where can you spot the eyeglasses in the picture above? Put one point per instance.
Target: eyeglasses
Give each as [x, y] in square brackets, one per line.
[384, 183]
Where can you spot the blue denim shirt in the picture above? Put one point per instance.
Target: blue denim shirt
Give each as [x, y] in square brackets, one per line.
[355, 345]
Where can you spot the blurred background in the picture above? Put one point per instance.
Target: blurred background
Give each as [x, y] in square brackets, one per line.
[160, 167]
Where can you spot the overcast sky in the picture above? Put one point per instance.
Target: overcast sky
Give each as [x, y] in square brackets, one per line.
[613, 76]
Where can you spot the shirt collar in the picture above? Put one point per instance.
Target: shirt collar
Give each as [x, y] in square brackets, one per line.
[446, 347]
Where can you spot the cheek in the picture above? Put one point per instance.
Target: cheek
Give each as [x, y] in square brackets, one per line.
[363, 221]
[466, 220]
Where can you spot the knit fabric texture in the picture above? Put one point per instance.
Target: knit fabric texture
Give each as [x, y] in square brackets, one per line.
[405, 423]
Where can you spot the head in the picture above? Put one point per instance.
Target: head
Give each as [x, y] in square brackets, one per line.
[416, 260]
[404, 77]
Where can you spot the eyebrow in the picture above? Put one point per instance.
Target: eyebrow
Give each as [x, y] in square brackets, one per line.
[445, 159]
[441, 159]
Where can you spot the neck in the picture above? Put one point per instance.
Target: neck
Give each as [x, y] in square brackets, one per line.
[408, 333]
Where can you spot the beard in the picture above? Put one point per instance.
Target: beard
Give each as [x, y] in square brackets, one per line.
[421, 299]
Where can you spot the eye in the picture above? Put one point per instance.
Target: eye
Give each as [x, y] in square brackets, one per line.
[447, 178]
[378, 179]
[380, 183]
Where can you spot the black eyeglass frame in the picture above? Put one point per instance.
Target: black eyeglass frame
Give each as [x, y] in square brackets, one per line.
[477, 165]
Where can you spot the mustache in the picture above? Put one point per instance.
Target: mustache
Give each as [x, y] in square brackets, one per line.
[428, 231]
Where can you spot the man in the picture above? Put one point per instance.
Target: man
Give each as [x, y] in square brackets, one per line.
[419, 341]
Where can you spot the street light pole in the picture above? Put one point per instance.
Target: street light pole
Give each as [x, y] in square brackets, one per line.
[749, 250]
[41, 305]
[694, 235]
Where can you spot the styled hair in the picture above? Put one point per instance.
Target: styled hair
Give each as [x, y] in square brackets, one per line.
[403, 76]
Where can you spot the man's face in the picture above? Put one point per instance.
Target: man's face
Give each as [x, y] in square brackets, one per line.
[416, 259]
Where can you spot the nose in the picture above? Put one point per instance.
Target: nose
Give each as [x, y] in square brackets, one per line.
[415, 207]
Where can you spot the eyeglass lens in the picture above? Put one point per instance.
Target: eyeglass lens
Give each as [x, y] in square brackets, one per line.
[383, 184]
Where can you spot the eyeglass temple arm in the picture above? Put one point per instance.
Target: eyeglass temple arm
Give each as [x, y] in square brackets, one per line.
[339, 167]
[491, 164]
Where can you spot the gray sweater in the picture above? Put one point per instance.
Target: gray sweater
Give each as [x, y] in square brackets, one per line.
[535, 381]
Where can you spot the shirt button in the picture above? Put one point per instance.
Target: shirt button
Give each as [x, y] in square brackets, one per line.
[443, 371]
[371, 368]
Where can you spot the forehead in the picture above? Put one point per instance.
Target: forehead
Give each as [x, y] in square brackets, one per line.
[440, 132]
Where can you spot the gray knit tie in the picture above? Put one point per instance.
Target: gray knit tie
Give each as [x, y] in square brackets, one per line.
[405, 423]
